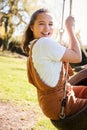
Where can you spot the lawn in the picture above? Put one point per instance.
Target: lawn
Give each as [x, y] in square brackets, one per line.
[14, 87]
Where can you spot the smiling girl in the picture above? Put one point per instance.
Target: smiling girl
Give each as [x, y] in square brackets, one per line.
[45, 65]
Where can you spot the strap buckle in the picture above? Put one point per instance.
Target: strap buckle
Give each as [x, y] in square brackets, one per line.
[63, 104]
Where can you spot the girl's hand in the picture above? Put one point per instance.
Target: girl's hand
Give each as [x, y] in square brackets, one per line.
[70, 24]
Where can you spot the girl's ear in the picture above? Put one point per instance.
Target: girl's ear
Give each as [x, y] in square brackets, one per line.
[31, 27]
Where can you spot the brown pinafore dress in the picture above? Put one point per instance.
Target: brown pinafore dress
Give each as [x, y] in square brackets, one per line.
[50, 98]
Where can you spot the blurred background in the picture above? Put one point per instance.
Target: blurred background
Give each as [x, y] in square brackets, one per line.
[15, 16]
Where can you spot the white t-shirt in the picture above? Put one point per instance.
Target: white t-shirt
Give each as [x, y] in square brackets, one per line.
[46, 55]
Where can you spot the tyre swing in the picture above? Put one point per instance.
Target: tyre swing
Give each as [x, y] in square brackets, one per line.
[77, 121]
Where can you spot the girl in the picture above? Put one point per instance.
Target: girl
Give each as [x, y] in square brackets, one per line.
[45, 65]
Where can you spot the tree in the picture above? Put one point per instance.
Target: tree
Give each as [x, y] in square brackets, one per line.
[8, 10]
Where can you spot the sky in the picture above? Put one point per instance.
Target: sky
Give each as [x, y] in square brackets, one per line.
[79, 11]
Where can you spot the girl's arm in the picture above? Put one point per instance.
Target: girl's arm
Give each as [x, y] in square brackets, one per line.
[73, 52]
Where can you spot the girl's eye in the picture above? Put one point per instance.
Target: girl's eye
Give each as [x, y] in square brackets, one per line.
[51, 24]
[41, 23]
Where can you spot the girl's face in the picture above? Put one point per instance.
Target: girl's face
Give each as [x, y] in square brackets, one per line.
[43, 26]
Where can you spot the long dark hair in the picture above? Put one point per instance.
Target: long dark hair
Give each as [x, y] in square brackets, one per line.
[28, 36]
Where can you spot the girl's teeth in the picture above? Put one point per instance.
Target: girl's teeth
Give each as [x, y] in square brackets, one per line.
[45, 33]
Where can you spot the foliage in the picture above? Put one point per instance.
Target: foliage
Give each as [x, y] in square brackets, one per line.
[11, 16]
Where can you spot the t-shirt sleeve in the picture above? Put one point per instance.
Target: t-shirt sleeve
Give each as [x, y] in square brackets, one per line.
[51, 49]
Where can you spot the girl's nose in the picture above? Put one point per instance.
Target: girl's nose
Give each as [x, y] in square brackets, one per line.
[46, 27]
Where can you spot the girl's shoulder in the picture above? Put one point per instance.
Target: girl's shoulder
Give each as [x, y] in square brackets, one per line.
[46, 39]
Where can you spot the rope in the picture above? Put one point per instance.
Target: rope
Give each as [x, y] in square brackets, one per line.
[63, 104]
[70, 8]
[63, 8]
[63, 14]
[61, 29]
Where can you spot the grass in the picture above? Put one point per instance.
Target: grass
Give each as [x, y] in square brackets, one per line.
[13, 80]
[14, 87]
